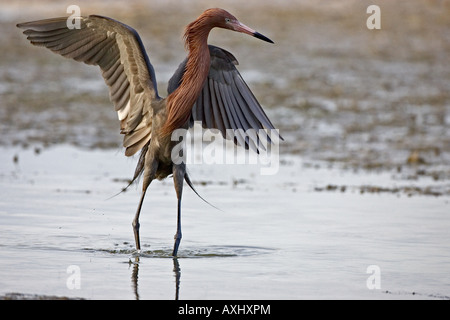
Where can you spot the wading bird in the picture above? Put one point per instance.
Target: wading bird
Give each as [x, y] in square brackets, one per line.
[206, 87]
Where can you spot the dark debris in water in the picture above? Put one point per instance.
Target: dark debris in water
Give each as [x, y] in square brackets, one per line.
[424, 295]
[407, 190]
[26, 296]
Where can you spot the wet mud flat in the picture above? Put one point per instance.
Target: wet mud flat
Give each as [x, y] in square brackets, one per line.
[365, 164]
[338, 92]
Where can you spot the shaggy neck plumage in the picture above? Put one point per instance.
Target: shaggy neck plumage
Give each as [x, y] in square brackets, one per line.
[181, 101]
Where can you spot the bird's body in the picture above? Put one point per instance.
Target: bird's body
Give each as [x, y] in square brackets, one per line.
[206, 87]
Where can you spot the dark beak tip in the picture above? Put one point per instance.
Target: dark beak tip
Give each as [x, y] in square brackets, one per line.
[262, 37]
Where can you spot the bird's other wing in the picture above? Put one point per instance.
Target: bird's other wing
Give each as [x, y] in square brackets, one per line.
[118, 50]
[226, 102]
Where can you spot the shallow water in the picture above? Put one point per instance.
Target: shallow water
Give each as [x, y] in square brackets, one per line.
[277, 237]
[363, 178]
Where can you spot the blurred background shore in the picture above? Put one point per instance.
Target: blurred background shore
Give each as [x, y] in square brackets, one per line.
[337, 91]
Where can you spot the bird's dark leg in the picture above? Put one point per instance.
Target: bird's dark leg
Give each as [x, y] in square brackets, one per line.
[178, 178]
[150, 169]
[136, 224]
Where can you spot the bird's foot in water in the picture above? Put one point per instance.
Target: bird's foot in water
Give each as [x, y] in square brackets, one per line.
[177, 238]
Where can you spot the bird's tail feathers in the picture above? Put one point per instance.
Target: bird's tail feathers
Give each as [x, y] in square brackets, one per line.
[137, 173]
[140, 169]
[191, 185]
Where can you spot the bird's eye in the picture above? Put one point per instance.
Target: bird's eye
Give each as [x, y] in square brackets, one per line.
[227, 20]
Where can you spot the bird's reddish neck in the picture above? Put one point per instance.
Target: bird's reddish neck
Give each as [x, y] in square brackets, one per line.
[181, 101]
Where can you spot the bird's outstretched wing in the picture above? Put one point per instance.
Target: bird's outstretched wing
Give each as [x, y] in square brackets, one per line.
[118, 50]
[226, 102]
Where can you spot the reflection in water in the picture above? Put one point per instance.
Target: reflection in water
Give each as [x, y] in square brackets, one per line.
[199, 252]
[177, 272]
[135, 276]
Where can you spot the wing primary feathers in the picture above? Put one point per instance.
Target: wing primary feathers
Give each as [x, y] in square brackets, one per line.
[119, 52]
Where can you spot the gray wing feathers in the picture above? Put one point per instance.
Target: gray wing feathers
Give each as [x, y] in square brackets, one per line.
[118, 50]
[226, 102]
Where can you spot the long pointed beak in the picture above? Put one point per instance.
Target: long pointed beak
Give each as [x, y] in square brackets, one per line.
[240, 27]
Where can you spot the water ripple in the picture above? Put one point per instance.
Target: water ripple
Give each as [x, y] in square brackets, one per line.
[216, 251]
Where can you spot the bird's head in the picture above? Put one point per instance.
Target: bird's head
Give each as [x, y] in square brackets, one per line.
[223, 19]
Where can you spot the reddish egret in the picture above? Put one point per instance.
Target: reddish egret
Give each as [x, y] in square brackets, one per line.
[206, 87]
